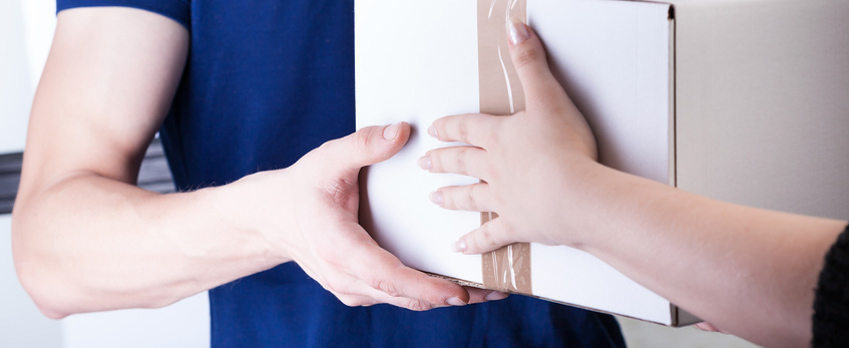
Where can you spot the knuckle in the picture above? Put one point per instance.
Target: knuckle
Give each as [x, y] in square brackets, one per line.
[480, 195]
[386, 287]
[471, 200]
[338, 190]
[363, 138]
[352, 301]
[492, 139]
[486, 236]
[417, 305]
[436, 158]
[348, 301]
[462, 128]
[526, 57]
[449, 198]
[339, 288]
[439, 127]
[330, 260]
[460, 160]
[335, 289]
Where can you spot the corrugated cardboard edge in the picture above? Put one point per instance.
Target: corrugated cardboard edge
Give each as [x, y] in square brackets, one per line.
[678, 316]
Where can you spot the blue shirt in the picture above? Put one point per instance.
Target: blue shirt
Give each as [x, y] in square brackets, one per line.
[266, 82]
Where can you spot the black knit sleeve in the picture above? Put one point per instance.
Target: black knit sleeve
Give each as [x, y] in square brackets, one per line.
[831, 302]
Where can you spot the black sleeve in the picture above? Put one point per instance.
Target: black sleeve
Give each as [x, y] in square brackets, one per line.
[831, 301]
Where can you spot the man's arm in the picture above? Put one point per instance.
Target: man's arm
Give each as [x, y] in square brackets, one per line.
[86, 239]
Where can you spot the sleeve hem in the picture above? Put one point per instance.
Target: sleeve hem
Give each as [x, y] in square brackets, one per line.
[831, 300]
[178, 10]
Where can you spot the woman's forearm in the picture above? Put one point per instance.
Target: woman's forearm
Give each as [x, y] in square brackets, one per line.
[746, 270]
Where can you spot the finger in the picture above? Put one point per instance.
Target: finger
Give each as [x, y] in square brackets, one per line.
[354, 292]
[477, 295]
[383, 271]
[528, 55]
[473, 129]
[405, 302]
[373, 297]
[367, 146]
[491, 236]
[705, 326]
[356, 300]
[475, 197]
[463, 160]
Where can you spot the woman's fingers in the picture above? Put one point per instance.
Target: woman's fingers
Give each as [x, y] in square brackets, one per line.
[492, 235]
[474, 197]
[463, 160]
[473, 129]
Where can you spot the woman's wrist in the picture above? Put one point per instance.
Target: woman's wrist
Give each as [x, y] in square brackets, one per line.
[583, 184]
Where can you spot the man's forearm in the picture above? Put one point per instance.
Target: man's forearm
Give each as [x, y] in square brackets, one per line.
[88, 243]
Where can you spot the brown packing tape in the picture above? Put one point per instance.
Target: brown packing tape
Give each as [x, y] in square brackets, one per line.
[500, 90]
[509, 268]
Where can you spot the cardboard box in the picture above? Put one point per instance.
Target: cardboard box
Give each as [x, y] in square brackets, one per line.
[743, 101]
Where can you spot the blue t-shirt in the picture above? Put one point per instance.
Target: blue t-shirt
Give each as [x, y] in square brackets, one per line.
[266, 82]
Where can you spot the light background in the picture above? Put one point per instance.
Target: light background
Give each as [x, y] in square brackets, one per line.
[26, 30]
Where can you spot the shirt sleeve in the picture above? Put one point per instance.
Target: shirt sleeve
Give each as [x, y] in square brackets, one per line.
[178, 10]
[831, 301]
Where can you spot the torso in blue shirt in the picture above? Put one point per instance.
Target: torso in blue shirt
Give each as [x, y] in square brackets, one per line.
[265, 82]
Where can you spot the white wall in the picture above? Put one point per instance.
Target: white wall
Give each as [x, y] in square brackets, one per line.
[21, 324]
[184, 324]
[26, 31]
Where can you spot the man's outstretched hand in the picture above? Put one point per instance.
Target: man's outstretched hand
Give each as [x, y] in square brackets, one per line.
[310, 210]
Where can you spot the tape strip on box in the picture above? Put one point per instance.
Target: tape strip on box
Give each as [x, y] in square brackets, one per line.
[509, 268]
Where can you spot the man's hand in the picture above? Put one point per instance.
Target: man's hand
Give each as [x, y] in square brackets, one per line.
[320, 200]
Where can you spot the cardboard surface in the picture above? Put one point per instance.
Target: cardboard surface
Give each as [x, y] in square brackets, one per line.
[762, 107]
[404, 74]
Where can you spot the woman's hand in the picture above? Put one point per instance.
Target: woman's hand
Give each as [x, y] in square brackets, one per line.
[530, 163]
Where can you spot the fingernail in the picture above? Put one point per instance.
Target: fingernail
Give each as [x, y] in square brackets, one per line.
[432, 131]
[424, 163]
[517, 31]
[391, 132]
[495, 296]
[459, 246]
[456, 301]
[436, 198]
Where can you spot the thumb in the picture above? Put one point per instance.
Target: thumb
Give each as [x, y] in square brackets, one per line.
[529, 60]
[367, 146]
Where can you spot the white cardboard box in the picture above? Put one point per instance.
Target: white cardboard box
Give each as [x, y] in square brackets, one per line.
[744, 101]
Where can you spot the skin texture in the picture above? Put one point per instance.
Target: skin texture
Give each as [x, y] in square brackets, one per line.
[86, 239]
[747, 271]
